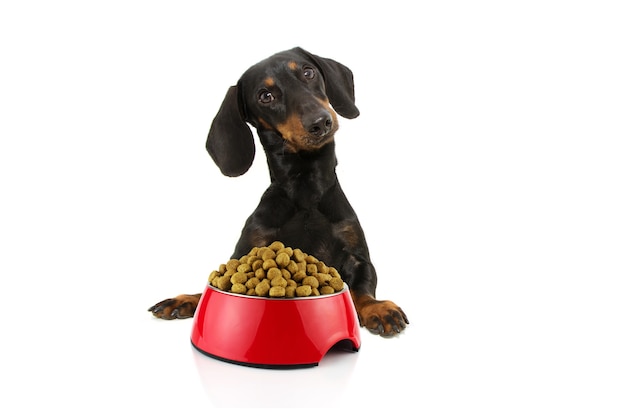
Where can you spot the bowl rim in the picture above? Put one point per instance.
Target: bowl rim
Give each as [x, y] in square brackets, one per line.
[258, 297]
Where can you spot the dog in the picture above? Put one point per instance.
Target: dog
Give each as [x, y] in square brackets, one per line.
[292, 100]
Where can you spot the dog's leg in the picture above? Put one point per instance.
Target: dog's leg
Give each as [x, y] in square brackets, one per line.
[180, 307]
[380, 317]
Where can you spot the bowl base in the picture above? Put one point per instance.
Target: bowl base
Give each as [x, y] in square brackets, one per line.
[256, 365]
[344, 345]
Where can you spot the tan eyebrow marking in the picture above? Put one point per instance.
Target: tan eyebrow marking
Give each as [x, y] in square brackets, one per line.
[292, 65]
[269, 81]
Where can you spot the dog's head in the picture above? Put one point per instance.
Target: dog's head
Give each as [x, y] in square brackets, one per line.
[293, 94]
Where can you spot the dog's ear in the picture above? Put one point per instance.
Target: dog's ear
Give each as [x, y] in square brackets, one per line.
[230, 142]
[339, 84]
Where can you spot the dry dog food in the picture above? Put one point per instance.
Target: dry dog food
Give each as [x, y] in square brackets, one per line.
[277, 271]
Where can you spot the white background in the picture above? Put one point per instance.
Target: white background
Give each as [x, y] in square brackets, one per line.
[487, 168]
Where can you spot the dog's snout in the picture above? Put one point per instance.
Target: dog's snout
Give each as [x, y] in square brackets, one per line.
[320, 124]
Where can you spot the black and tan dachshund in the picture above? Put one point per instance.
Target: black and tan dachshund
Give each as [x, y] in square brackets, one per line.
[291, 99]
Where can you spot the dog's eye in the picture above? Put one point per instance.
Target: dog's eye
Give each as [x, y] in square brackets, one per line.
[266, 97]
[309, 73]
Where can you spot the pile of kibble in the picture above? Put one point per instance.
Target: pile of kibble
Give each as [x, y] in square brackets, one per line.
[277, 271]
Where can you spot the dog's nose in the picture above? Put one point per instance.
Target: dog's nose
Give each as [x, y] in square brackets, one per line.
[320, 125]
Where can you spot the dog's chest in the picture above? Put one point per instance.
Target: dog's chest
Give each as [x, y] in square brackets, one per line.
[309, 230]
[307, 221]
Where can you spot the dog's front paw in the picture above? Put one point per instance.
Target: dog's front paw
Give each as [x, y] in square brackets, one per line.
[181, 307]
[384, 318]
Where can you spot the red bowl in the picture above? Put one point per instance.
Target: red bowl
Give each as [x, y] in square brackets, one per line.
[274, 332]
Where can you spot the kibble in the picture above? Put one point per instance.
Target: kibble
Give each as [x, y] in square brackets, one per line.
[277, 271]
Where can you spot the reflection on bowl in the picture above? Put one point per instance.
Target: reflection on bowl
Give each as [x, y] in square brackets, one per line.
[274, 332]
